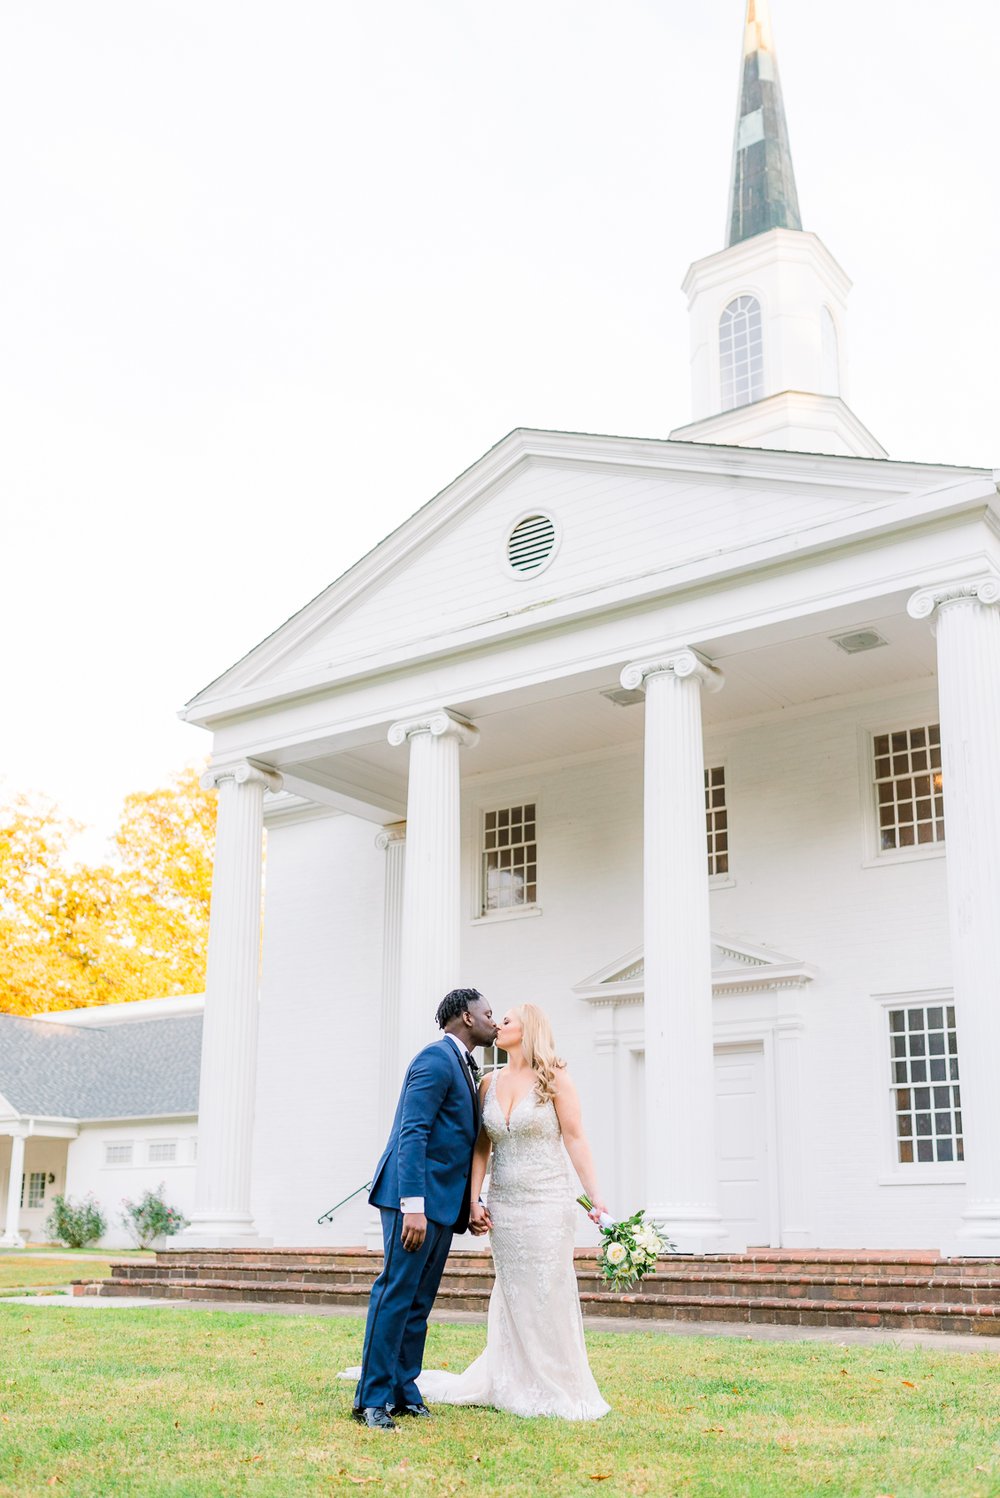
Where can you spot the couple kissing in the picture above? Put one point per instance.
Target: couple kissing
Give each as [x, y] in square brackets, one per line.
[523, 1124]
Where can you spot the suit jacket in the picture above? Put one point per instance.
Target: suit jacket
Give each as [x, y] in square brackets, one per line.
[434, 1132]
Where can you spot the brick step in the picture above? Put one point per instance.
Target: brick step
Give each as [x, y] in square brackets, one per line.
[765, 1268]
[480, 1277]
[955, 1289]
[879, 1263]
[910, 1313]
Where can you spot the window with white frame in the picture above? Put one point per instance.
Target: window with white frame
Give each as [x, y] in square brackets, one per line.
[924, 1061]
[909, 787]
[35, 1183]
[118, 1154]
[493, 1057]
[741, 353]
[162, 1151]
[509, 858]
[717, 820]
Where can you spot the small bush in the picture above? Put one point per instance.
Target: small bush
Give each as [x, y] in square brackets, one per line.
[150, 1217]
[76, 1223]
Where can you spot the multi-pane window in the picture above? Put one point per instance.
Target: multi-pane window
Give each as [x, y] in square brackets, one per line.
[510, 862]
[717, 820]
[118, 1154]
[162, 1151]
[909, 787]
[924, 1060]
[493, 1057]
[35, 1183]
[741, 353]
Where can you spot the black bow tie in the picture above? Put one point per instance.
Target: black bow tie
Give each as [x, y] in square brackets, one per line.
[473, 1066]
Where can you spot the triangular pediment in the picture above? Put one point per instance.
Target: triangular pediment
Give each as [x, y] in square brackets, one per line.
[737, 967]
[630, 517]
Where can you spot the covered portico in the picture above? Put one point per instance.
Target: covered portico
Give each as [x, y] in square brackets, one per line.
[32, 1171]
[717, 636]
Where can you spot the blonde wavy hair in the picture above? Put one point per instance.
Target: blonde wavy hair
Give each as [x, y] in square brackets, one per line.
[538, 1048]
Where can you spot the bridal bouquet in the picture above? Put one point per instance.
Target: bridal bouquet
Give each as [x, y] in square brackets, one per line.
[630, 1247]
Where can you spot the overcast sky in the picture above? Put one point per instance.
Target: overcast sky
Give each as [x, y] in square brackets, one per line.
[273, 274]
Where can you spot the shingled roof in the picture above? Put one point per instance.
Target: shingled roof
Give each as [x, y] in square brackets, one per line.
[144, 1069]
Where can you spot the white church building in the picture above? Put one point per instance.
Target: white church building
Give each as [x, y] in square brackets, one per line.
[695, 742]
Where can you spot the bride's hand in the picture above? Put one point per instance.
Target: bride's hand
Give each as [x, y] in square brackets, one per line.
[597, 1211]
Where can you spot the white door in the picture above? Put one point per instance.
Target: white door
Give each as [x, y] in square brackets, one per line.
[741, 1146]
[742, 1166]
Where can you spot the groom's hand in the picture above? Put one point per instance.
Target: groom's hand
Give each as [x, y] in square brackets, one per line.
[479, 1219]
[414, 1230]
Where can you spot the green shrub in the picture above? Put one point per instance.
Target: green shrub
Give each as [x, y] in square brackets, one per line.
[75, 1223]
[150, 1217]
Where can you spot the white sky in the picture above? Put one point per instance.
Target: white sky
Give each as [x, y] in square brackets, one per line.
[272, 275]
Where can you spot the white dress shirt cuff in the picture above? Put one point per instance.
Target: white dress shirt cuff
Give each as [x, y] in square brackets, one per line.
[411, 1204]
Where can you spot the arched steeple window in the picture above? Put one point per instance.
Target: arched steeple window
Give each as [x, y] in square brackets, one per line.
[741, 353]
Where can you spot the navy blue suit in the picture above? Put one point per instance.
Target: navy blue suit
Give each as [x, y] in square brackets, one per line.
[429, 1154]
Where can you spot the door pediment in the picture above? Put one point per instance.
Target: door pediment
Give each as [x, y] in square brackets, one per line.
[737, 967]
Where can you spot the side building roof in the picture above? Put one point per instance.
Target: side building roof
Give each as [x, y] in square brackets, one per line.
[141, 1070]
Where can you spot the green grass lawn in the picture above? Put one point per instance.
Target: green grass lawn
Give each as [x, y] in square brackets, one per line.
[190, 1403]
[35, 1271]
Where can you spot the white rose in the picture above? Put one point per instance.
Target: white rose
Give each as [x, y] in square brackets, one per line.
[616, 1253]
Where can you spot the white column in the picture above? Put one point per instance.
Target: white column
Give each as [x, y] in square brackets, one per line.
[967, 623]
[221, 1216]
[11, 1234]
[680, 1078]
[429, 943]
[392, 841]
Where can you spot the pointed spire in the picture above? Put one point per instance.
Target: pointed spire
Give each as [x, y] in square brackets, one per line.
[763, 192]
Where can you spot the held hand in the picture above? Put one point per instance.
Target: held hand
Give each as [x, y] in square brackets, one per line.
[597, 1211]
[414, 1231]
[480, 1221]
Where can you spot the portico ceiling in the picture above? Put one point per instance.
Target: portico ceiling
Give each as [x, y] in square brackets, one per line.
[574, 716]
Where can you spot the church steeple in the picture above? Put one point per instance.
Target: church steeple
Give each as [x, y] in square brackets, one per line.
[762, 194]
[769, 312]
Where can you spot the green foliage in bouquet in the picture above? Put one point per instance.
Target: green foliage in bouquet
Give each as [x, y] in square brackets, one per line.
[150, 1217]
[75, 1223]
[630, 1248]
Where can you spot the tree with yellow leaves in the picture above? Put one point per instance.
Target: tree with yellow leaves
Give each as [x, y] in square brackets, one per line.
[71, 936]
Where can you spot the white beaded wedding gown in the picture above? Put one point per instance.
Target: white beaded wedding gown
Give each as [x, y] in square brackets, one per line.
[535, 1362]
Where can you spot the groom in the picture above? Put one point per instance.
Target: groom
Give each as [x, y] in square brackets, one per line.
[422, 1189]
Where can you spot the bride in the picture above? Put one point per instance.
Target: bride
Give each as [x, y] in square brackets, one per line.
[535, 1362]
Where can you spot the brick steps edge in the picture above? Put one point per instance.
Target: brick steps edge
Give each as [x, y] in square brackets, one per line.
[802, 1287]
[915, 1315]
[879, 1264]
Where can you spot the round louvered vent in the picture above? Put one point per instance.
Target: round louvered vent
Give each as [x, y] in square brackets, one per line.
[531, 543]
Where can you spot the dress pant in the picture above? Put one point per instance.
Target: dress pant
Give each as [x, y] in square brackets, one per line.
[400, 1303]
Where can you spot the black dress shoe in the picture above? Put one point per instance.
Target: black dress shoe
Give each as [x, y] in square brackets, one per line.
[418, 1411]
[375, 1417]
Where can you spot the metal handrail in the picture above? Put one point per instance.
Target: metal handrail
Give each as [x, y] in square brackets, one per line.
[327, 1215]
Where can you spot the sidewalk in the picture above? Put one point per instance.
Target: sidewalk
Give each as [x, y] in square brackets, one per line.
[744, 1331]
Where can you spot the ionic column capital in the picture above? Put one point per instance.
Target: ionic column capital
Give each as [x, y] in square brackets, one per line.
[984, 589]
[439, 724]
[390, 837]
[243, 772]
[680, 663]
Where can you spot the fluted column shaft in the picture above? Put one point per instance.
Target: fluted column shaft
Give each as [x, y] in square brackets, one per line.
[11, 1233]
[680, 1078]
[967, 620]
[429, 943]
[229, 1043]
